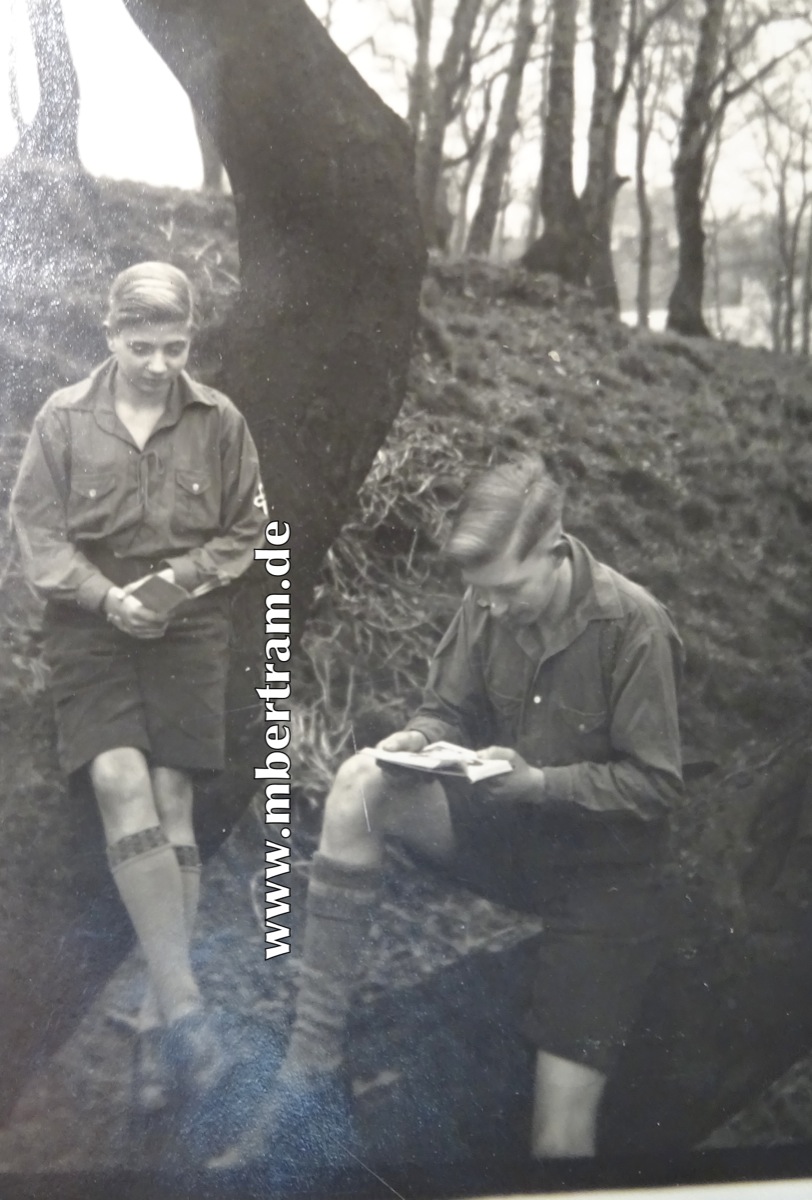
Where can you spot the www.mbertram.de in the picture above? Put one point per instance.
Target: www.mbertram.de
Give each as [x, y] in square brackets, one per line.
[276, 770]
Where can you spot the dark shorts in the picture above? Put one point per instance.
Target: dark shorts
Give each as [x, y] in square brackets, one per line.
[164, 696]
[603, 921]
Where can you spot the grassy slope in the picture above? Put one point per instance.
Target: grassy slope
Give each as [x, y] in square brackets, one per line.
[686, 465]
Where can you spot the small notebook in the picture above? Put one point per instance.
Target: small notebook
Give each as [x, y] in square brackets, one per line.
[444, 758]
[160, 594]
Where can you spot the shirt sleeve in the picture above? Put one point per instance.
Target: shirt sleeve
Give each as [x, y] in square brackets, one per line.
[243, 514]
[51, 563]
[644, 777]
[454, 707]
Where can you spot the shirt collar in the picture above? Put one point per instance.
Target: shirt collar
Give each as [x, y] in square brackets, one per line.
[594, 597]
[97, 397]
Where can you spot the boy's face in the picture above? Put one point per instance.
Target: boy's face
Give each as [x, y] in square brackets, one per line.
[150, 357]
[520, 591]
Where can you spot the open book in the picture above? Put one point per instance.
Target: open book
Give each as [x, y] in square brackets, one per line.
[444, 758]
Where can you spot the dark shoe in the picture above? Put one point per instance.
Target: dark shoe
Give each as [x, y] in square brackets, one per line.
[193, 1047]
[304, 1119]
[152, 1083]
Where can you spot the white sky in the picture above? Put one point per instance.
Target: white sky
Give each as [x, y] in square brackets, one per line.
[136, 121]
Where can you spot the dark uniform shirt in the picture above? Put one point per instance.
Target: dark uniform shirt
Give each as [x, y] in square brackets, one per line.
[594, 705]
[86, 493]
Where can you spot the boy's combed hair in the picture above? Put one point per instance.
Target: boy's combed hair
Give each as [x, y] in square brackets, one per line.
[150, 293]
[516, 502]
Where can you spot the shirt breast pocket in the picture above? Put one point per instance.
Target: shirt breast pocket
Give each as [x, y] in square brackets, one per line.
[90, 503]
[196, 510]
[586, 732]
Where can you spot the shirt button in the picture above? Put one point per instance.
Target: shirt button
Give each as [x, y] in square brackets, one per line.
[92, 493]
[195, 487]
[537, 699]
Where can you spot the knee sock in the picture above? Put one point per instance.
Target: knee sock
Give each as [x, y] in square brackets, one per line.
[188, 857]
[148, 878]
[341, 902]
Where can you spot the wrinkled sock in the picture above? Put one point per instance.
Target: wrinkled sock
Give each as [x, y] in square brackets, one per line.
[188, 857]
[148, 878]
[341, 903]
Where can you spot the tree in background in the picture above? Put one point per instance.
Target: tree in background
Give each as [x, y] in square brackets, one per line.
[783, 114]
[576, 241]
[448, 78]
[653, 72]
[726, 67]
[561, 249]
[484, 223]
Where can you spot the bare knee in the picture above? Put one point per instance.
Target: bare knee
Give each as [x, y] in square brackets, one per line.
[123, 790]
[173, 793]
[567, 1097]
[352, 813]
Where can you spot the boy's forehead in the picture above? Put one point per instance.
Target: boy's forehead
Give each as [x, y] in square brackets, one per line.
[507, 567]
[157, 334]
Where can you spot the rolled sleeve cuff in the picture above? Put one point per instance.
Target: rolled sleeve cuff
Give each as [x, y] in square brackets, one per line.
[433, 730]
[559, 784]
[90, 594]
[186, 573]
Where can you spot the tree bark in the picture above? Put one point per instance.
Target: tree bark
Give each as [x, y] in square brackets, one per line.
[430, 149]
[561, 249]
[331, 262]
[602, 181]
[484, 223]
[54, 132]
[685, 302]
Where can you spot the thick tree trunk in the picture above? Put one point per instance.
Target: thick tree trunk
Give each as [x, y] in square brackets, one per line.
[685, 302]
[430, 149]
[331, 263]
[485, 217]
[561, 249]
[54, 132]
[602, 182]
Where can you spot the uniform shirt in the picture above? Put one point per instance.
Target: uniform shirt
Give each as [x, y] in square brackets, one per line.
[191, 497]
[594, 705]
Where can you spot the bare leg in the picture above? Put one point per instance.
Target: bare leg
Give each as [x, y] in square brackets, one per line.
[147, 875]
[173, 794]
[566, 1099]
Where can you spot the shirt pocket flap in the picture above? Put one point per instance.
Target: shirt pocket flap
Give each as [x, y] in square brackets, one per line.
[193, 482]
[93, 487]
[583, 722]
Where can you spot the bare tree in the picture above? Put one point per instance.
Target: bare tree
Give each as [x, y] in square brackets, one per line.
[718, 81]
[652, 71]
[561, 249]
[783, 115]
[584, 250]
[429, 167]
[485, 218]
